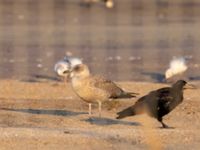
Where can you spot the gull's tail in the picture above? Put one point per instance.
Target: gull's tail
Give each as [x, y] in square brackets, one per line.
[128, 95]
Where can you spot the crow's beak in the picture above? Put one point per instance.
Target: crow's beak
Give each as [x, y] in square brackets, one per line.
[190, 86]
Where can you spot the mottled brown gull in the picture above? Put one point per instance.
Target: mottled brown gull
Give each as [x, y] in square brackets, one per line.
[95, 89]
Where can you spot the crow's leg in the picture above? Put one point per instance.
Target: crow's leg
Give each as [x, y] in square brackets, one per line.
[163, 124]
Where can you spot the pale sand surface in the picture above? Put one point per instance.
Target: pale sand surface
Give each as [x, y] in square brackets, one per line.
[48, 116]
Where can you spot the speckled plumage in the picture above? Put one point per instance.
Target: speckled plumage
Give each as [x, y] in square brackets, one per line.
[95, 88]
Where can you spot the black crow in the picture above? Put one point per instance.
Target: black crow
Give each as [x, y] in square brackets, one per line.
[158, 103]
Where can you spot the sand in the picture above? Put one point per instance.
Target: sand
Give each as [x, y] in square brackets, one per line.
[48, 115]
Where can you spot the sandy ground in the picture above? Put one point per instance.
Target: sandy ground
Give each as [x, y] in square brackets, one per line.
[48, 115]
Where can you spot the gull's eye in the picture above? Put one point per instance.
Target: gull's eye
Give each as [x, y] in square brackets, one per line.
[78, 68]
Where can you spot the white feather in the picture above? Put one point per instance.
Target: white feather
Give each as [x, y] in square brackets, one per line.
[61, 66]
[73, 61]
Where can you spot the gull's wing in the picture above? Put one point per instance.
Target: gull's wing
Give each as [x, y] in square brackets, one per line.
[114, 91]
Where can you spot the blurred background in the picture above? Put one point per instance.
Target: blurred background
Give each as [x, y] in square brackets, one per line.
[134, 40]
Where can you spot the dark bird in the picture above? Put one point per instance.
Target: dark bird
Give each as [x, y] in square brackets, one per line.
[158, 103]
[94, 89]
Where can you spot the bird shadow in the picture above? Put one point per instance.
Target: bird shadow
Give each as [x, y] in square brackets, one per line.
[108, 121]
[155, 76]
[166, 128]
[158, 77]
[46, 112]
[40, 78]
[194, 78]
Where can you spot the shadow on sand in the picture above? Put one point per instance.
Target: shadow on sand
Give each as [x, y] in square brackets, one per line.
[46, 112]
[195, 78]
[158, 77]
[40, 78]
[108, 121]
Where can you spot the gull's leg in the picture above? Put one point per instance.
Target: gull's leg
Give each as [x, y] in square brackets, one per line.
[99, 109]
[90, 109]
[64, 79]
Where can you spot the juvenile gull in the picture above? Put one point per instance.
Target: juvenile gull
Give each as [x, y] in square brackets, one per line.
[63, 67]
[177, 68]
[94, 89]
[158, 103]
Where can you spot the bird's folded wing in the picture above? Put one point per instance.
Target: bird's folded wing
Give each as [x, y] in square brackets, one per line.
[164, 92]
[107, 85]
[165, 98]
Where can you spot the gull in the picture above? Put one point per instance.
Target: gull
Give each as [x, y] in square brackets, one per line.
[177, 67]
[95, 88]
[63, 67]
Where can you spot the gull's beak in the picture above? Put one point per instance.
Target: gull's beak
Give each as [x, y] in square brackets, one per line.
[190, 86]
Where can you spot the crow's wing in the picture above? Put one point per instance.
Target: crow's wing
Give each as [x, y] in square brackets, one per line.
[165, 95]
[148, 104]
[165, 100]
